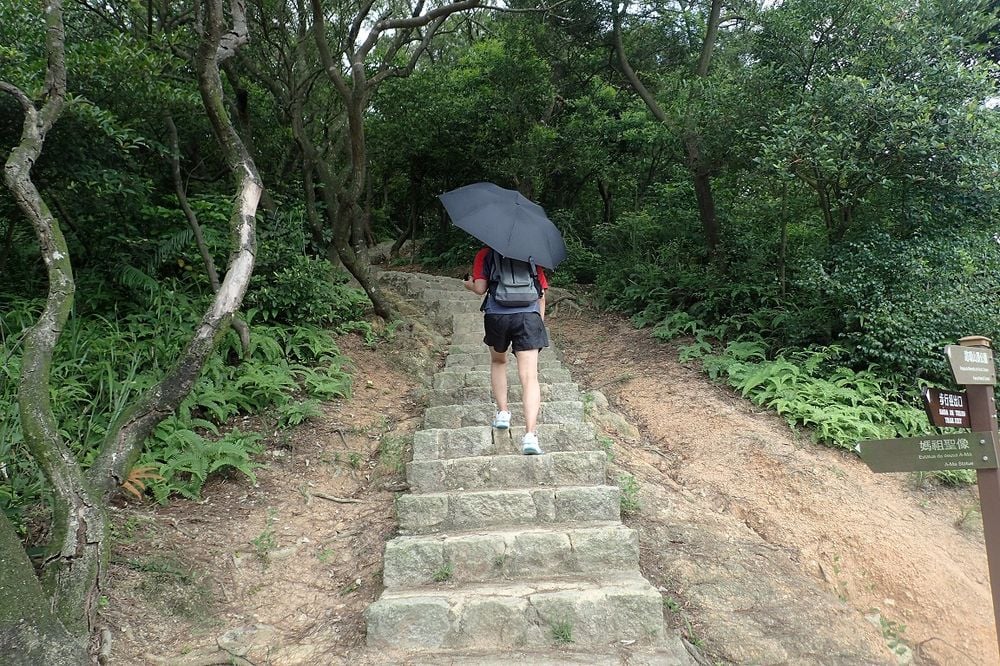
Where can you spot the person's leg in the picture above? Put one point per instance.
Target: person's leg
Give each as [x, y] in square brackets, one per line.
[498, 378]
[527, 372]
[497, 337]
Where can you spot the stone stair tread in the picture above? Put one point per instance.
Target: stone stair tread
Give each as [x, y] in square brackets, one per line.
[562, 551]
[616, 581]
[476, 440]
[426, 513]
[513, 470]
[592, 610]
[513, 530]
[674, 655]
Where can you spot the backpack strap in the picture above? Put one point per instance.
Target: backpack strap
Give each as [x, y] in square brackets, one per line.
[534, 276]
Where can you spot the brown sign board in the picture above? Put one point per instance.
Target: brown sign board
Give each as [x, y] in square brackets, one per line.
[972, 365]
[946, 409]
[931, 453]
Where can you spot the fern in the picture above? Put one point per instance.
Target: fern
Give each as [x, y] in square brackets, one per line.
[296, 413]
[135, 279]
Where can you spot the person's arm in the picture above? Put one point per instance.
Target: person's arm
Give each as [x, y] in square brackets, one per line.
[475, 286]
[476, 283]
[543, 284]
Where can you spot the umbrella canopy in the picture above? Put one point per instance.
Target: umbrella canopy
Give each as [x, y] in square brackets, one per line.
[507, 222]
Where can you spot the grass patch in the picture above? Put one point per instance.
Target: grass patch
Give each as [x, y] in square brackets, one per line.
[392, 453]
[562, 631]
[607, 445]
[630, 493]
[444, 573]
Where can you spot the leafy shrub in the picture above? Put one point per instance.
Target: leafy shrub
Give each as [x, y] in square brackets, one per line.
[900, 301]
[305, 291]
[290, 287]
[840, 405]
[185, 459]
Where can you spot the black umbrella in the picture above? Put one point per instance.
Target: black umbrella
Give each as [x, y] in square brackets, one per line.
[507, 222]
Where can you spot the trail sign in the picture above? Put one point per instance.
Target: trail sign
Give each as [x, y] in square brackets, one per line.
[972, 365]
[931, 453]
[947, 409]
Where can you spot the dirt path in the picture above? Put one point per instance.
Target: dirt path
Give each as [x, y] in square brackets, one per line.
[751, 531]
[908, 562]
[279, 572]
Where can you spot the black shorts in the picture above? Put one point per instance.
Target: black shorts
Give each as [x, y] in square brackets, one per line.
[522, 331]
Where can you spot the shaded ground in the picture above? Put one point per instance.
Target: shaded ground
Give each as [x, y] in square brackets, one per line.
[278, 572]
[768, 549]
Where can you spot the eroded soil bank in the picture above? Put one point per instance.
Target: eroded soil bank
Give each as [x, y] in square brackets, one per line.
[761, 501]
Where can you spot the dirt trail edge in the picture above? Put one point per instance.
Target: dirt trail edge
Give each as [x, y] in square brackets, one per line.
[776, 550]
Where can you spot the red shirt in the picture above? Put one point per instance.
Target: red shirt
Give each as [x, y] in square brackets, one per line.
[479, 269]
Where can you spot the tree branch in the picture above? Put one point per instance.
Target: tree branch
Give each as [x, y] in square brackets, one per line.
[121, 447]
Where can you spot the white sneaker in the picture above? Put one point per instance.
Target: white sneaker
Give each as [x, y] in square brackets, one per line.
[502, 420]
[529, 445]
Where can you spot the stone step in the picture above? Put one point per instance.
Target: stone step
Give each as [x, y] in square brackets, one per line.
[453, 303]
[483, 359]
[542, 613]
[459, 416]
[413, 284]
[547, 368]
[461, 377]
[567, 468]
[471, 395]
[445, 443]
[514, 554]
[672, 653]
[478, 347]
[462, 510]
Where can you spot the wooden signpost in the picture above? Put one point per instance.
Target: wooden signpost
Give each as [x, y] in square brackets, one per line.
[947, 409]
[975, 408]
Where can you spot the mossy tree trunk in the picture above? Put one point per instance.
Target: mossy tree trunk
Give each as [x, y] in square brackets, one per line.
[52, 618]
[30, 633]
[74, 559]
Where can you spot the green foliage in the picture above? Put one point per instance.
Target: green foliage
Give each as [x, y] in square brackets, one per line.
[103, 365]
[629, 494]
[186, 459]
[292, 414]
[839, 405]
[290, 287]
[899, 302]
[562, 631]
[444, 573]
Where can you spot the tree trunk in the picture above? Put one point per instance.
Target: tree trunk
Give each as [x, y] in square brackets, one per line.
[703, 194]
[692, 148]
[242, 107]
[30, 634]
[605, 191]
[192, 219]
[74, 560]
[123, 444]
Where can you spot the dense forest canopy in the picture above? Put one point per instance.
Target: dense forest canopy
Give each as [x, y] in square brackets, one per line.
[807, 189]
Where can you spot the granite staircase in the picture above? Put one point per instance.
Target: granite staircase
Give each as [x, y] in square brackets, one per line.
[501, 553]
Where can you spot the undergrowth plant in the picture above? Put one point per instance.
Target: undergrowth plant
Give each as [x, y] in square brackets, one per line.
[102, 364]
[808, 387]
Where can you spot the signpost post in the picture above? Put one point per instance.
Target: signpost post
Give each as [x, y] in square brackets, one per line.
[983, 417]
[975, 408]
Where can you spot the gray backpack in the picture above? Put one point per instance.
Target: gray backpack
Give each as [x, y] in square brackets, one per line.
[513, 283]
